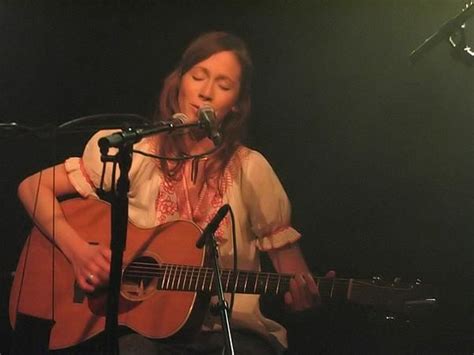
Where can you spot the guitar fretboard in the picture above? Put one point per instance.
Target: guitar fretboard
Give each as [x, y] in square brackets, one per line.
[197, 278]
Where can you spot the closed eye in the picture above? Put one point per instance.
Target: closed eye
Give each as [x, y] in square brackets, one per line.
[197, 77]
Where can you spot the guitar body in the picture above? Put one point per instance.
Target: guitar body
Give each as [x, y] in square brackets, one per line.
[44, 284]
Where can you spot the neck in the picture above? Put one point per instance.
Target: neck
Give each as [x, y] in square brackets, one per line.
[196, 145]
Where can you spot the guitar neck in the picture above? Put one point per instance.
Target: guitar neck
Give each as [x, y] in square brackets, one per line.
[202, 279]
[196, 278]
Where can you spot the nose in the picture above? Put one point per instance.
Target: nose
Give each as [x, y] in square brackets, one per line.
[205, 92]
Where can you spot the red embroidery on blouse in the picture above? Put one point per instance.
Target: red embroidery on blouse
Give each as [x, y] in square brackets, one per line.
[166, 205]
[171, 201]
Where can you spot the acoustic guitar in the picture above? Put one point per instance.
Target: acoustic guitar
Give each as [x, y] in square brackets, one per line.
[165, 288]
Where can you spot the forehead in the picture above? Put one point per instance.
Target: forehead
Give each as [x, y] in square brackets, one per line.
[222, 64]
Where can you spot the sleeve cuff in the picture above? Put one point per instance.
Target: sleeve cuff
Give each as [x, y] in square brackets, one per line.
[279, 238]
[78, 177]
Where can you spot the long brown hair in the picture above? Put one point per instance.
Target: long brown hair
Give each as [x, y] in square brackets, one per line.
[232, 126]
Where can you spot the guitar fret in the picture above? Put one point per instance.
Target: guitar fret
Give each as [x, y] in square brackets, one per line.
[169, 277]
[185, 277]
[256, 283]
[332, 288]
[246, 280]
[164, 277]
[204, 281]
[228, 279]
[236, 280]
[190, 279]
[173, 277]
[173, 287]
[278, 284]
[210, 283]
[266, 282]
[197, 280]
[179, 277]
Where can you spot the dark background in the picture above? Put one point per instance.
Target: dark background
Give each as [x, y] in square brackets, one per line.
[376, 154]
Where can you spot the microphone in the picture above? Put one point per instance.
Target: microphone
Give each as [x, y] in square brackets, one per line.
[207, 117]
[212, 226]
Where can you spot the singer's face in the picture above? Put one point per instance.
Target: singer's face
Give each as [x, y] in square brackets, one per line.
[214, 81]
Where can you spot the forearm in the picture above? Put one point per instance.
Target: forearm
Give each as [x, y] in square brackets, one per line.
[303, 293]
[38, 193]
[288, 259]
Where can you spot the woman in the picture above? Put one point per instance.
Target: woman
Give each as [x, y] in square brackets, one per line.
[215, 70]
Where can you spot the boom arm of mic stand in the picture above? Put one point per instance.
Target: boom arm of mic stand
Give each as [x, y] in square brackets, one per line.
[443, 33]
[132, 136]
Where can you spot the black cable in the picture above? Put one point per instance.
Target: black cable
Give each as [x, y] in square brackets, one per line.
[102, 116]
[184, 157]
[234, 242]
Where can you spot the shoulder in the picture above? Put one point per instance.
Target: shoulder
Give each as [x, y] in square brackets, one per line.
[251, 158]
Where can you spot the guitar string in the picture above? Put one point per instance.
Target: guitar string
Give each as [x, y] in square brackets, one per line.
[196, 273]
[165, 268]
[259, 279]
[339, 287]
[155, 269]
[196, 276]
[270, 287]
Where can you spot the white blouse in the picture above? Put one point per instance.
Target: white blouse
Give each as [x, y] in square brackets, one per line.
[252, 189]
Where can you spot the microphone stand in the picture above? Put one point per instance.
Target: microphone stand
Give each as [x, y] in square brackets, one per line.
[222, 306]
[444, 32]
[119, 216]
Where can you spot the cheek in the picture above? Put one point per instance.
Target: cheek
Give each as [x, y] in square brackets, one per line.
[181, 97]
[183, 94]
[182, 89]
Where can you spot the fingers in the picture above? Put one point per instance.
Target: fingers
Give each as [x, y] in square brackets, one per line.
[303, 293]
[330, 274]
[101, 265]
[92, 268]
[311, 285]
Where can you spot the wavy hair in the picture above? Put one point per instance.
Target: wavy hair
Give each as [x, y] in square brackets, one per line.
[232, 126]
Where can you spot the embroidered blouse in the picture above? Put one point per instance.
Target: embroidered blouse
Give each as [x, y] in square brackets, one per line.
[249, 185]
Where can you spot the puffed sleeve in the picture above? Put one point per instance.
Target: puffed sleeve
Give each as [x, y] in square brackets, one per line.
[267, 203]
[85, 172]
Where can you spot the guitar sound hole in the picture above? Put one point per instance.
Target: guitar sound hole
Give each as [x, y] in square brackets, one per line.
[140, 278]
